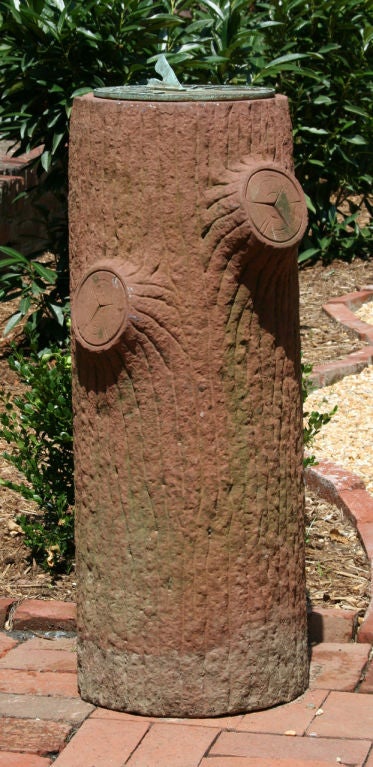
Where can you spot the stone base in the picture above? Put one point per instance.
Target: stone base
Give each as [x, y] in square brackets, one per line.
[188, 686]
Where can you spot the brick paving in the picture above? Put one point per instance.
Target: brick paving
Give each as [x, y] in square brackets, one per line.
[43, 721]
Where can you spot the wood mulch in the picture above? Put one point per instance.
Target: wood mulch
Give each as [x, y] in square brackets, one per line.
[336, 565]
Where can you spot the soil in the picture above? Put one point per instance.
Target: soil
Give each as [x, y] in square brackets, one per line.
[337, 569]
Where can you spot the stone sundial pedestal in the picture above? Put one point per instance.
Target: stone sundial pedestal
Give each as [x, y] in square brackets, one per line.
[185, 217]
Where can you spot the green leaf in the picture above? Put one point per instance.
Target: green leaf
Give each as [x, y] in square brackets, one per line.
[24, 305]
[80, 92]
[94, 36]
[367, 35]
[36, 289]
[58, 313]
[310, 204]
[214, 7]
[12, 322]
[57, 138]
[356, 110]
[315, 131]
[307, 254]
[285, 59]
[358, 140]
[323, 100]
[14, 256]
[43, 271]
[329, 47]
[46, 159]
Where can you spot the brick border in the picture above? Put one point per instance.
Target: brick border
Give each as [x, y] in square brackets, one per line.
[21, 225]
[37, 615]
[341, 309]
[335, 484]
[347, 491]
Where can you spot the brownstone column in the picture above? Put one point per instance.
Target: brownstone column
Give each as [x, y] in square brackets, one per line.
[184, 221]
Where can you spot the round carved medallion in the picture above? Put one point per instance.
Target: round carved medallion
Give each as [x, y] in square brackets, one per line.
[100, 308]
[276, 206]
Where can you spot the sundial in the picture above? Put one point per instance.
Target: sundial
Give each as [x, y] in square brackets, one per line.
[170, 89]
[100, 307]
[276, 206]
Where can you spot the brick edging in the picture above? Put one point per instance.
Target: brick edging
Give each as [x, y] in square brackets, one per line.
[334, 483]
[22, 226]
[341, 309]
[37, 615]
[347, 491]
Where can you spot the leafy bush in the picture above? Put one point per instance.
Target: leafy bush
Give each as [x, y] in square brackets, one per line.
[330, 92]
[42, 308]
[314, 421]
[317, 53]
[52, 51]
[38, 427]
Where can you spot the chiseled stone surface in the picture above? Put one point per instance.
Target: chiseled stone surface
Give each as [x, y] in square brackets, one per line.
[188, 429]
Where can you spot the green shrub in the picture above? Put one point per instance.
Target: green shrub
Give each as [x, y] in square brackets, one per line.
[314, 420]
[53, 50]
[41, 290]
[330, 91]
[37, 425]
[316, 52]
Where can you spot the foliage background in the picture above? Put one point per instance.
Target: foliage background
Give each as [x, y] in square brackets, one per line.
[37, 425]
[317, 52]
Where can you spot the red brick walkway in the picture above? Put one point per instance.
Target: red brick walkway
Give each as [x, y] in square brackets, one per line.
[42, 716]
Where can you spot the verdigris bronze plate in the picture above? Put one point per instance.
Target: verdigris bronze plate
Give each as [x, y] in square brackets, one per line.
[170, 89]
[189, 93]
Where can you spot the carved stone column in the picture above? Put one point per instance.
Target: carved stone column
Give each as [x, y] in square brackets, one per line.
[184, 221]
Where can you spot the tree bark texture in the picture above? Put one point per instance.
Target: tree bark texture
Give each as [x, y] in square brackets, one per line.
[187, 408]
